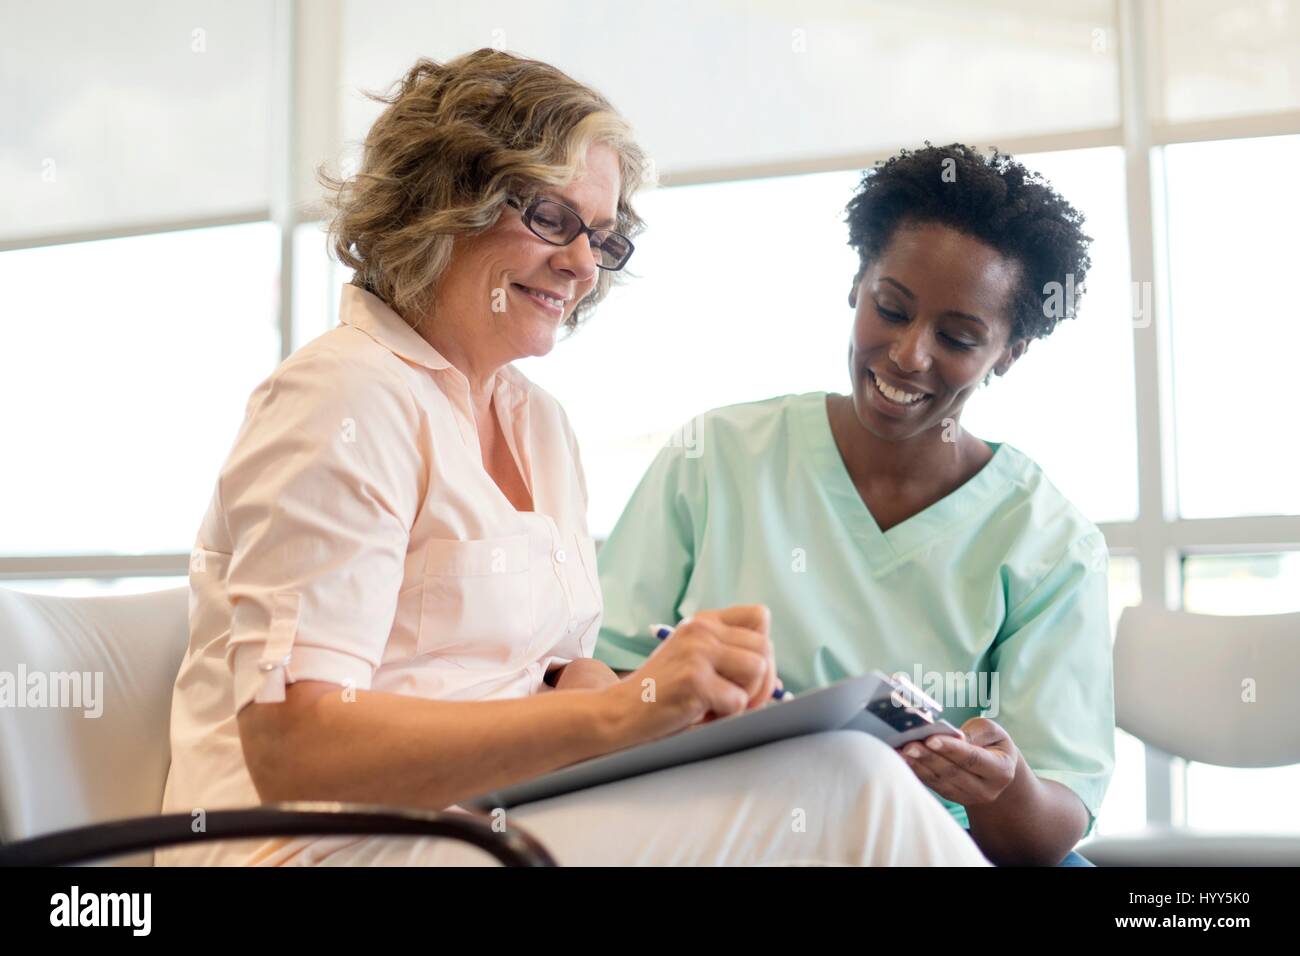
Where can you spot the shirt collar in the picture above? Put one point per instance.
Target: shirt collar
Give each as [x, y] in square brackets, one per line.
[1003, 476]
[372, 315]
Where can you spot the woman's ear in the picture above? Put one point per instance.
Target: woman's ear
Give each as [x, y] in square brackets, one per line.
[857, 284]
[1009, 358]
[1017, 349]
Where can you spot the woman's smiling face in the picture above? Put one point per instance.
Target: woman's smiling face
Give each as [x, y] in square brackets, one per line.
[492, 290]
[933, 317]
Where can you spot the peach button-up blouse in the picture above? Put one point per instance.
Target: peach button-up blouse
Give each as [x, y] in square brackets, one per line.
[355, 537]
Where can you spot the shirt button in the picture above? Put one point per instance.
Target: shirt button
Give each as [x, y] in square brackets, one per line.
[560, 556]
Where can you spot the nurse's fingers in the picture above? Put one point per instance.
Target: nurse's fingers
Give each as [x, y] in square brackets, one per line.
[987, 750]
[948, 757]
[950, 787]
[947, 778]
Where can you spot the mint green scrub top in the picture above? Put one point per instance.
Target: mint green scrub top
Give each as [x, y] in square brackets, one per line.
[992, 600]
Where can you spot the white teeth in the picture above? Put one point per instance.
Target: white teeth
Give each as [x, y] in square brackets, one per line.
[558, 303]
[894, 395]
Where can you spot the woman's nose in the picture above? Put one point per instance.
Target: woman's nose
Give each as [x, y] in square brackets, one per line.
[578, 259]
[909, 351]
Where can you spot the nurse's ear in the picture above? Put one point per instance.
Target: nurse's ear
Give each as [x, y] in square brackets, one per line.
[853, 296]
[1010, 356]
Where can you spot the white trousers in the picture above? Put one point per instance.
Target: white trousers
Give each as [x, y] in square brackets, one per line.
[840, 798]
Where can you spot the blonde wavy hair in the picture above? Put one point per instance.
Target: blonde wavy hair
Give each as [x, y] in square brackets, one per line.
[457, 140]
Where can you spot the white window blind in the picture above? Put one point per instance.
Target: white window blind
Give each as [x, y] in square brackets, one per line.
[741, 84]
[1216, 59]
[116, 115]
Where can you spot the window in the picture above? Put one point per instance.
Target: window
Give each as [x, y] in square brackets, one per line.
[1241, 584]
[1068, 402]
[1232, 206]
[1235, 798]
[126, 367]
[1125, 588]
[318, 279]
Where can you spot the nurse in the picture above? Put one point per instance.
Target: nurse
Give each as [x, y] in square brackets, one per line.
[884, 536]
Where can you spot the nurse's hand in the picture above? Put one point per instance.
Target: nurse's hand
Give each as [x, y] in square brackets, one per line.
[971, 771]
[716, 663]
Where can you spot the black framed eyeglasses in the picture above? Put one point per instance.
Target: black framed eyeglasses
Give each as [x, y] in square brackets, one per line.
[559, 225]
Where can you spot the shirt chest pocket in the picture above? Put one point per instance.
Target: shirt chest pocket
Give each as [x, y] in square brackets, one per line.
[566, 596]
[477, 609]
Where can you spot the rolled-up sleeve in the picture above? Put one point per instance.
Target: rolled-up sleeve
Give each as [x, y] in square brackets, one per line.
[1055, 675]
[319, 495]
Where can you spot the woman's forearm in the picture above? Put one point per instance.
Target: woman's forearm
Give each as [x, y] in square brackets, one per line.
[326, 743]
[373, 747]
[1034, 822]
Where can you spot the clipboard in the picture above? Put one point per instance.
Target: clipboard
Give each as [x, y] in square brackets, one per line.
[889, 708]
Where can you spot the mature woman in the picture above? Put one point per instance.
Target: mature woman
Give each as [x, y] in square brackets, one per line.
[394, 596]
[882, 535]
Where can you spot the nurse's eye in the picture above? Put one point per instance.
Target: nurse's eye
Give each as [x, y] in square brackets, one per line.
[957, 343]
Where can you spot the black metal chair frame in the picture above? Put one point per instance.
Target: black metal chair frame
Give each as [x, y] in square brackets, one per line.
[79, 845]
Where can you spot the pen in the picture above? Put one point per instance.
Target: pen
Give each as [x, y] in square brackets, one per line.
[662, 632]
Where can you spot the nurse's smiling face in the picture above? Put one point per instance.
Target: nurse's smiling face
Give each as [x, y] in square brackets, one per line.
[933, 318]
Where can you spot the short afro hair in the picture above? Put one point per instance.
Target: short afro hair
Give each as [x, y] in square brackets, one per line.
[993, 199]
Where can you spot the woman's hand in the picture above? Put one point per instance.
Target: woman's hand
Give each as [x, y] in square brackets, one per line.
[585, 673]
[973, 771]
[716, 663]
